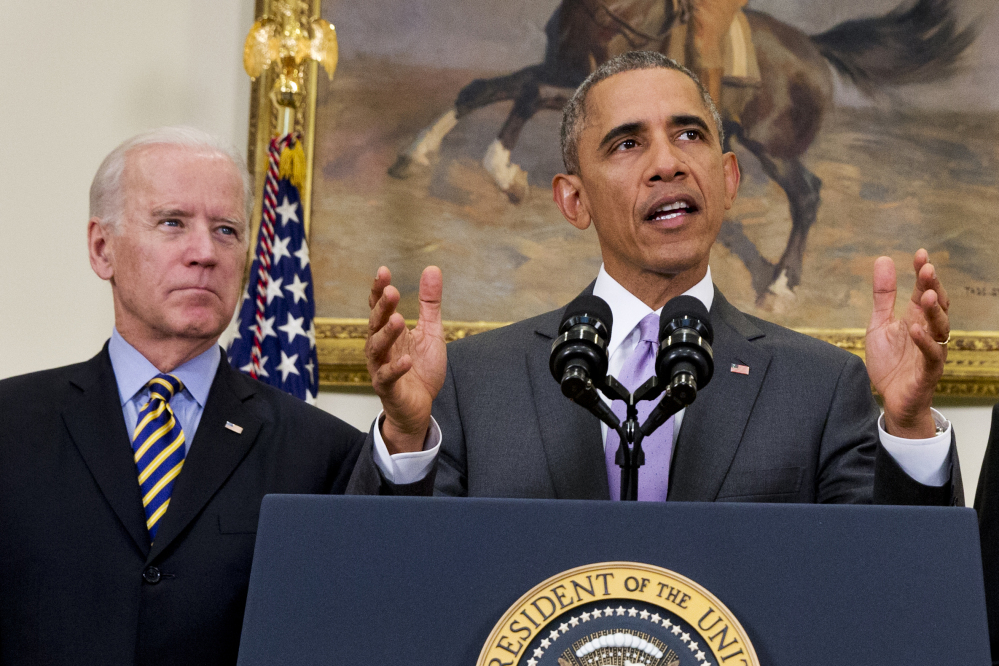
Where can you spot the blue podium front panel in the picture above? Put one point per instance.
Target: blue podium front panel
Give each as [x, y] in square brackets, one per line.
[370, 580]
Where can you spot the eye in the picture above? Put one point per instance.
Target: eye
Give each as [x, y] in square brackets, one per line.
[626, 144]
[692, 134]
[170, 222]
[228, 230]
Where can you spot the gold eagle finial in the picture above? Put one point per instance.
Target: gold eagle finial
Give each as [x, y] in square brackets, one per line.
[289, 36]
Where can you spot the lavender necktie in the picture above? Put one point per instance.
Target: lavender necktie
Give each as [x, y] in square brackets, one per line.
[653, 476]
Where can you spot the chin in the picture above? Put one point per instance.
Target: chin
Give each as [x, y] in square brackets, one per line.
[200, 326]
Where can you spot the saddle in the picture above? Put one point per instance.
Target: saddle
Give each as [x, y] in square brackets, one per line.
[638, 25]
[741, 67]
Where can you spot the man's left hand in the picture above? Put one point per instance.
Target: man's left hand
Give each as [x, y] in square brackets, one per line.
[905, 357]
[407, 366]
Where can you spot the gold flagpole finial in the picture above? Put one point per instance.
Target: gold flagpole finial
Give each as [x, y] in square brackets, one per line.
[289, 37]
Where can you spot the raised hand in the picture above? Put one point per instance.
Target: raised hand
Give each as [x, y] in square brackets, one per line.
[905, 357]
[407, 366]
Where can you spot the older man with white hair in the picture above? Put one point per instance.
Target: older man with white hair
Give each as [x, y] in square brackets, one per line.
[130, 484]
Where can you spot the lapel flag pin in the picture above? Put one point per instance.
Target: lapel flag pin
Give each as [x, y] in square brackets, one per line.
[740, 369]
[239, 429]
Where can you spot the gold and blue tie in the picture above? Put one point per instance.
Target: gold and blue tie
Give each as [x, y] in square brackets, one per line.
[158, 444]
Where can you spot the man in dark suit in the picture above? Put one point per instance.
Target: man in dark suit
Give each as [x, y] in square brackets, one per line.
[987, 506]
[785, 419]
[95, 570]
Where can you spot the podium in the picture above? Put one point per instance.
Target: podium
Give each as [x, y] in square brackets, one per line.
[371, 580]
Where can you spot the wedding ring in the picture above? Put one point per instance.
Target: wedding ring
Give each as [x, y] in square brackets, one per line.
[944, 343]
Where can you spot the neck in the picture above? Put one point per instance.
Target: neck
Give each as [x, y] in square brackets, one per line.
[656, 289]
[166, 353]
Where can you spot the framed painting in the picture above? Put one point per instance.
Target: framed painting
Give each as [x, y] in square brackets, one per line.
[862, 128]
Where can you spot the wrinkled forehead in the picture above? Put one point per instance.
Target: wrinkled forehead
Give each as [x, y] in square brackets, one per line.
[641, 95]
[165, 169]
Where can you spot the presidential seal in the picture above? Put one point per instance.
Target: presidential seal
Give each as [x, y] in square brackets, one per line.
[620, 614]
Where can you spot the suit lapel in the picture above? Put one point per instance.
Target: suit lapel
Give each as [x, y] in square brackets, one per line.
[570, 435]
[215, 452]
[97, 427]
[713, 425]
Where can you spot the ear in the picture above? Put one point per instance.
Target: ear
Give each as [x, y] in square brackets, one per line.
[567, 191]
[99, 242]
[730, 164]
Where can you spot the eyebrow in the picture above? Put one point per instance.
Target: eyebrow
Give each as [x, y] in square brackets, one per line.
[171, 212]
[696, 121]
[179, 212]
[619, 131]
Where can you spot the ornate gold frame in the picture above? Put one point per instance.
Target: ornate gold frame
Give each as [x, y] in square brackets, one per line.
[972, 368]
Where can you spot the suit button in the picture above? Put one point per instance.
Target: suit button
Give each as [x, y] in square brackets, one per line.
[151, 575]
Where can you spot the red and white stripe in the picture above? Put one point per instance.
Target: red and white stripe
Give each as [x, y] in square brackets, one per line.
[265, 243]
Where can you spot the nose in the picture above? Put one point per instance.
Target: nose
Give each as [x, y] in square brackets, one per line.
[666, 161]
[201, 248]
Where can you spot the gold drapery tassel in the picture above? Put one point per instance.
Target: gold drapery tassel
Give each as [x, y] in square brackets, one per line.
[292, 165]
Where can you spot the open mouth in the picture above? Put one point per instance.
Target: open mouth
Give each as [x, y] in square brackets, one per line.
[670, 211]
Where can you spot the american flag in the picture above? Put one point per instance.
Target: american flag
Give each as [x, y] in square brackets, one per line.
[275, 337]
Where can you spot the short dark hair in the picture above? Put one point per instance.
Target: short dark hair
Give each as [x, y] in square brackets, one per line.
[574, 114]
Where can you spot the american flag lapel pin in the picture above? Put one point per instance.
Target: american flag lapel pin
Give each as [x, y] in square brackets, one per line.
[740, 369]
[239, 429]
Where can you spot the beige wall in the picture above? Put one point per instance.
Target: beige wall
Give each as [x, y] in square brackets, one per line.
[78, 79]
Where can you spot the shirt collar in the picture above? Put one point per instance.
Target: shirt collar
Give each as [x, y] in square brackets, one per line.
[628, 310]
[133, 371]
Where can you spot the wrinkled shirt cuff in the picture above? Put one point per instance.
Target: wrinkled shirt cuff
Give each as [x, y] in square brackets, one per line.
[405, 468]
[925, 460]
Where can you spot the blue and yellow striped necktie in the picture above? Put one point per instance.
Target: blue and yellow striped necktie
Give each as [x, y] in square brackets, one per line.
[158, 444]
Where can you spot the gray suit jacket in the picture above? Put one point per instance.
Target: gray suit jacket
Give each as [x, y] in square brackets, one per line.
[800, 427]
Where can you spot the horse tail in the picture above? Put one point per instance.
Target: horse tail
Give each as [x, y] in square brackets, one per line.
[916, 42]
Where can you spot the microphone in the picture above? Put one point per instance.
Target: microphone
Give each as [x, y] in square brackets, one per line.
[685, 362]
[578, 360]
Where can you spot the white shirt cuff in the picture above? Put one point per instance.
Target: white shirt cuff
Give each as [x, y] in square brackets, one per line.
[925, 460]
[405, 468]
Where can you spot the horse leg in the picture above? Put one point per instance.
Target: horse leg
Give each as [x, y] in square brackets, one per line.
[478, 93]
[802, 188]
[510, 177]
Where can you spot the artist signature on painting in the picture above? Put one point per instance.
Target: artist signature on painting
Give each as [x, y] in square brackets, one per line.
[981, 291]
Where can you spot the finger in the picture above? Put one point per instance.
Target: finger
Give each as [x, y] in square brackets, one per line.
[920, 259]
[928, 279]
[383, 277]
[937, 320]
[387, 375]
[884, 292]
[383, 309]
[933, 354]
[378, 348]
[431, 291]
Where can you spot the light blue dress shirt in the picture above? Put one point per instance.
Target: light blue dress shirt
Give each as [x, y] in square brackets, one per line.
[133, 371]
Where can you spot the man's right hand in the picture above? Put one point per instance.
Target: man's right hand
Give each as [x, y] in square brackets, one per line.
[407, 367]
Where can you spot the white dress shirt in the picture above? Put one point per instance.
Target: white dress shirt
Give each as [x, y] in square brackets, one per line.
[925, 460]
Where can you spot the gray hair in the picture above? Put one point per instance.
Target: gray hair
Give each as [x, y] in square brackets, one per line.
[106, 197]
[574, 114]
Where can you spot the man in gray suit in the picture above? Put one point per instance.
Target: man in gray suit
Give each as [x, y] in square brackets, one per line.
[786, 418]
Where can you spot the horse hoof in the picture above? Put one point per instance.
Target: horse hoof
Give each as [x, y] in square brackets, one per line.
[403, 167]
[779, 296]
[519, 188]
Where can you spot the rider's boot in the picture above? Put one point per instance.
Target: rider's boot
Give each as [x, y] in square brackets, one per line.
[712, 80]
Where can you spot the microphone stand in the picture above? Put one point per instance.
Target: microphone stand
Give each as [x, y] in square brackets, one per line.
[630, 455]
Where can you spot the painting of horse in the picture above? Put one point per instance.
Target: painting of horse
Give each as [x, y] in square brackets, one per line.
[869, 132]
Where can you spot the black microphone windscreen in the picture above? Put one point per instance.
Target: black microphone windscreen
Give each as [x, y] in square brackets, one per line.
[686, 308]
[588, 305]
